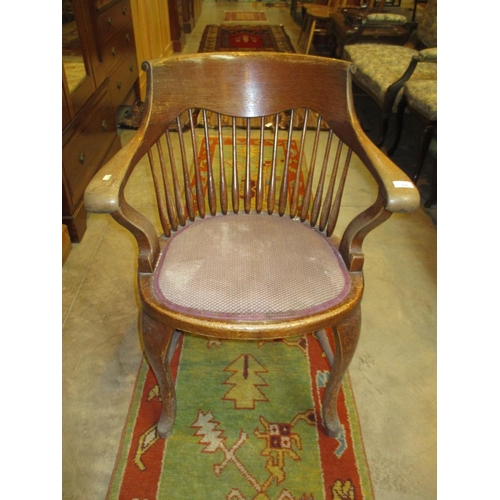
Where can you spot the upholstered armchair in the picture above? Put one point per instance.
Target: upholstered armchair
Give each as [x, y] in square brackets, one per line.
[347, 28]
[382, 70]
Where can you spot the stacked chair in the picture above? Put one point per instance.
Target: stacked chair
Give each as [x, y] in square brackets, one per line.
[382, 70]
[352, 26]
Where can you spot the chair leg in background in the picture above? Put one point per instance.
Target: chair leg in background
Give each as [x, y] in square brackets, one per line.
[425, 142]
[157, 340]
[346, 335]
[399, 126]
[384, 126]
[433, 194]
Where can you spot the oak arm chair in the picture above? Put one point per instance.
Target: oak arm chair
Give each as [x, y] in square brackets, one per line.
[242, 253]
[382, 69]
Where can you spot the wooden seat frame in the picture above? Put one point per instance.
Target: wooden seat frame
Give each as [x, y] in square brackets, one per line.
[249, 85]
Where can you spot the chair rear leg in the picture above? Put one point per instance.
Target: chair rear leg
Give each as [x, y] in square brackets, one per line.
[425, 141]
[157, 339]
[384, 126]
[399, 126]
[346, 335]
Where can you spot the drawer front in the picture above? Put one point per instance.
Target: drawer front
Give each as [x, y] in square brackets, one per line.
[84, 152]
[110, 22]
[121, 81]
[118, 48]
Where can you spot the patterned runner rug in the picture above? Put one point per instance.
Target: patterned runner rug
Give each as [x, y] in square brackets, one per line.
[248, 426]
[261, 37]
[248, 422]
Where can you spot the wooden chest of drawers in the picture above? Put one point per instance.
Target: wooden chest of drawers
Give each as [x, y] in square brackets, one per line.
[90, 136]
[87, 143]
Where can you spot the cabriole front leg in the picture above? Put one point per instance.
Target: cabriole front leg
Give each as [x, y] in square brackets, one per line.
[157, 339]
[346, 335]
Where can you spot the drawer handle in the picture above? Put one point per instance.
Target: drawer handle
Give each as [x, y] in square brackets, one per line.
[127, 37]
[119, 85]
[104, 125]
[124, 11]
[113, 51]
[110, 21]
[81, 159]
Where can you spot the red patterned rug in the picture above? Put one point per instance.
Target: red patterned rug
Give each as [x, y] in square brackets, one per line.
[261, 37]
[248, 426]
[245, 16]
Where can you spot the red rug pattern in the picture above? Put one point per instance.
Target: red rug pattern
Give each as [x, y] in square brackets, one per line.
[261, 37]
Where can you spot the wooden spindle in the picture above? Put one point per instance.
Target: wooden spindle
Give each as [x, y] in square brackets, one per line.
[235, 184]
[307, 195]
[334, 213]
[248, 181]
[212, 199]
[223, 186]
[284, 180]
[200, 197]
[185, 170]
[321, 183]
[271, 194]
[295, 194]
[172, 216]
[159, 198]
[260, 175]
[325, 211]
[175, 178]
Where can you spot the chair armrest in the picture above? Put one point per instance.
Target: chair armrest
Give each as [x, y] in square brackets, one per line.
[102, 195]
[105, 195]
[399, 193]
[396, 193]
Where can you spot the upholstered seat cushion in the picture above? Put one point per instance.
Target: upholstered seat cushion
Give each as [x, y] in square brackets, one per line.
[250, 268]
[378, 66]
[421, 95]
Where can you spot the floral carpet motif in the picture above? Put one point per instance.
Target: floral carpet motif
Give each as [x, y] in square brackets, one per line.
[248, 426]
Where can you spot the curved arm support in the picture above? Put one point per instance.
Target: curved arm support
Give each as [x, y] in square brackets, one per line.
[144, 232]
[394, 88]
[356, 231]
[105, 195]
[398, 193]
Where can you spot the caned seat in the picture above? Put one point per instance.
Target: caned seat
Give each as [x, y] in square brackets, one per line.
[252, 269]
[238, 239]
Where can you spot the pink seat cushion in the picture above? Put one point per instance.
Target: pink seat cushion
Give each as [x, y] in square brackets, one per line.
[250, 268]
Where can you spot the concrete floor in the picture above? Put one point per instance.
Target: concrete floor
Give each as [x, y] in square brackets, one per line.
[393, 372]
